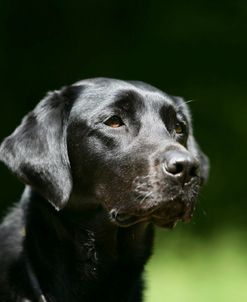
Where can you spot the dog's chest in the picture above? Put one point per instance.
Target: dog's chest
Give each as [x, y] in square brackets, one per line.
[120, 251]
[111, 266]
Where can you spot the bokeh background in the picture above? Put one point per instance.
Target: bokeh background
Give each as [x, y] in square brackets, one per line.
[196, 49]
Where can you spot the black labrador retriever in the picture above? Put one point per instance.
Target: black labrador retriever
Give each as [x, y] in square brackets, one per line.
[103, 161]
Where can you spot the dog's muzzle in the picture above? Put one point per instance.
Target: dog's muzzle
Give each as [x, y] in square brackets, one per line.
[165, 215]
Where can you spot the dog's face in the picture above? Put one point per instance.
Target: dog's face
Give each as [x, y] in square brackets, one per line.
[125, 145]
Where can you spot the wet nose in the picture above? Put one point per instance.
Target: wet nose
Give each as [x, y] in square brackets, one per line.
[180, 165]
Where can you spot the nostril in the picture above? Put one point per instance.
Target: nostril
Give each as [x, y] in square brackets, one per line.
[180, 165]
[194, 171]
[174, 167]
[178, 168]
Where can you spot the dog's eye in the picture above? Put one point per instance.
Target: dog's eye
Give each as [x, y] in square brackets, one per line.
[114, 122]
[179, 128]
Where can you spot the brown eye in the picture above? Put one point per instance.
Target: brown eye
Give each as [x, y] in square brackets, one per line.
[114, 122]
[179, 129]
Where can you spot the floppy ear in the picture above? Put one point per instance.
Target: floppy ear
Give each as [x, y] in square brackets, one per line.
[192, 143]
[37, 150]
[203, 159]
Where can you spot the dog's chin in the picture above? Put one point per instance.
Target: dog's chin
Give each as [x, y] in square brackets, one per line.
[164, 215]
[168, 216]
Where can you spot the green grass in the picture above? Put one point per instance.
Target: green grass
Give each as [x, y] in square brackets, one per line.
[188, 268]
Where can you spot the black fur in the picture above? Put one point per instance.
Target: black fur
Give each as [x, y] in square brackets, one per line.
[98, 152]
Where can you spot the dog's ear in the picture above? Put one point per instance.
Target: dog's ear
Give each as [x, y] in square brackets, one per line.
[203, 159]
[37, 150]
[192, 144]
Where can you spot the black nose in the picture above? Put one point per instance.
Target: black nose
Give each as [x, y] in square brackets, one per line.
[180, 165]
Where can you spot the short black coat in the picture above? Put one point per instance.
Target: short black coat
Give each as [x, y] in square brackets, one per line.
[94, 150]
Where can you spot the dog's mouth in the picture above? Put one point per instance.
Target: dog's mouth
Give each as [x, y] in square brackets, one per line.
[165, 215]
[168, 216]
[160, 203]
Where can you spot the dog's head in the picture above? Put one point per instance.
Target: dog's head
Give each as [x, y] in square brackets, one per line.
[125, 145]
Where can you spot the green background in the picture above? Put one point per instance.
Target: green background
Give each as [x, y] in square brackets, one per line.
[196, 49]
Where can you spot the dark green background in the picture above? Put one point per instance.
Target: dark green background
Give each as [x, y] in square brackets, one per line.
[196, 49]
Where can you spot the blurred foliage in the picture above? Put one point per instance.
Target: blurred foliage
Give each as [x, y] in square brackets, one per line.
[194, 48]
[192, 269]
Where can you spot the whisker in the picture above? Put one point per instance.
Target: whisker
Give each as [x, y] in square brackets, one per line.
[187, 102]
[145, 197]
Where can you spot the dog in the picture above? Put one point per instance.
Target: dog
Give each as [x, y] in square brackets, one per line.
[103, 161]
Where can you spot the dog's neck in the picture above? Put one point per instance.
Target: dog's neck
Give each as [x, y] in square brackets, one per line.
[69, 247]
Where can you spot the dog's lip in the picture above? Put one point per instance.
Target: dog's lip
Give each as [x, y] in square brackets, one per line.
[126, 220]
[184, 215]
[165, 215]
